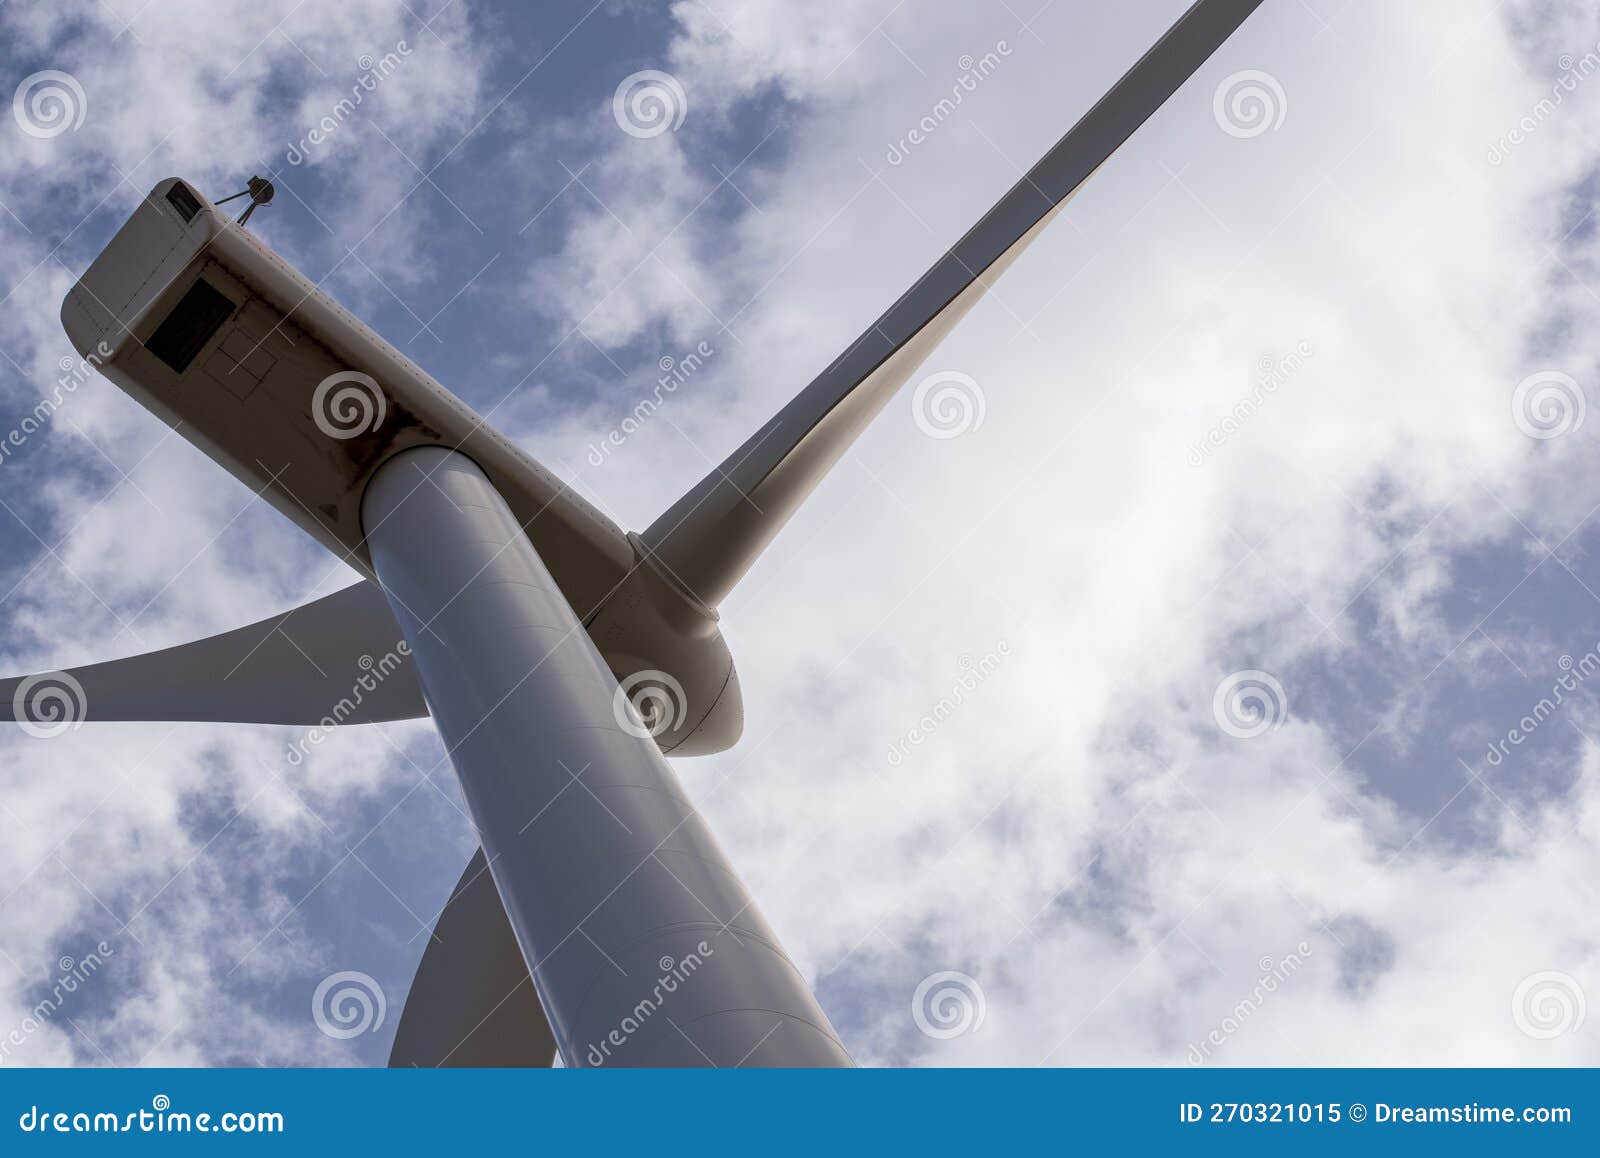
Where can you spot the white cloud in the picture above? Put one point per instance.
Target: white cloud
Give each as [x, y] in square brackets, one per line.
[1079, 836]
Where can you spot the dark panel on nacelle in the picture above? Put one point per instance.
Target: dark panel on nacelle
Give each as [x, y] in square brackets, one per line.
[193, 322]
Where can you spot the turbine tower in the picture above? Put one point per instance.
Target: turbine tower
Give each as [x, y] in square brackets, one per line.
[560, 658]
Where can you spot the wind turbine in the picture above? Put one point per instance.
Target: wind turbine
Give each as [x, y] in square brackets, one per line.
[560, 658]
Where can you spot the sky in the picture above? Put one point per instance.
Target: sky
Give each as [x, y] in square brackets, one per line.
[1206, 680]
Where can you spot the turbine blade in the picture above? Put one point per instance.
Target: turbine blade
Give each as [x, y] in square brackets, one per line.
[304, 666]
[709, 538]
[473, 1003]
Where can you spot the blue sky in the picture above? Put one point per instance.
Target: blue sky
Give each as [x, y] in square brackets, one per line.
[1080, 837]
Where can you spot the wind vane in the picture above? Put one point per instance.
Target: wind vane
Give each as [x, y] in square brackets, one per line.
[260, 191]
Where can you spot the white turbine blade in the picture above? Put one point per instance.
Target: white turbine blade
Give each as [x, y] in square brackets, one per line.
[472, 1003]
[711, 536]
[341, 658]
